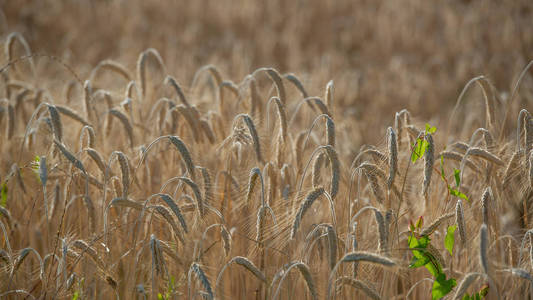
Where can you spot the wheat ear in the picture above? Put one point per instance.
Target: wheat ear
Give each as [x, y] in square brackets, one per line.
[433, 226]
[393, 156]
[370, 292]
[429, 160]
[200, 275]
[468, 279]
[253, 132]
[358, 256]
[112, 66]
[141, 66]
[460, 221]
[125, 122]
[485, 199]
[306, 204]
[241, 261]
[306, 273]
[483, 248]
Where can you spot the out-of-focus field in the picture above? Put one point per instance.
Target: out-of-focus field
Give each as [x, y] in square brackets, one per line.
[264, 149]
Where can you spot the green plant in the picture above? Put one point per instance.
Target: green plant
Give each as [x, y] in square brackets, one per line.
[457, 176]
[479, 295]
[422, 257]
[421, 144]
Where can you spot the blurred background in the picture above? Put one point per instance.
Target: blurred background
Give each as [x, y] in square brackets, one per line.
[382, 55]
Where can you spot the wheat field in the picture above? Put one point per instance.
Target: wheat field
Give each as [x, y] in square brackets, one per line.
[266, 150]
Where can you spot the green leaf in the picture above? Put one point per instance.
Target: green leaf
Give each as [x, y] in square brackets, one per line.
[76, 295]
[420, 222]
[420, 243]
[416, 151]
[430, 129]
[466, 296]
[484, 290]
[449, 240]
[457, 175]
[441, 286]
[421, 257]
[419, 149]
[3, 195]
[455, 192]
[160, 297]
[419, 260]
